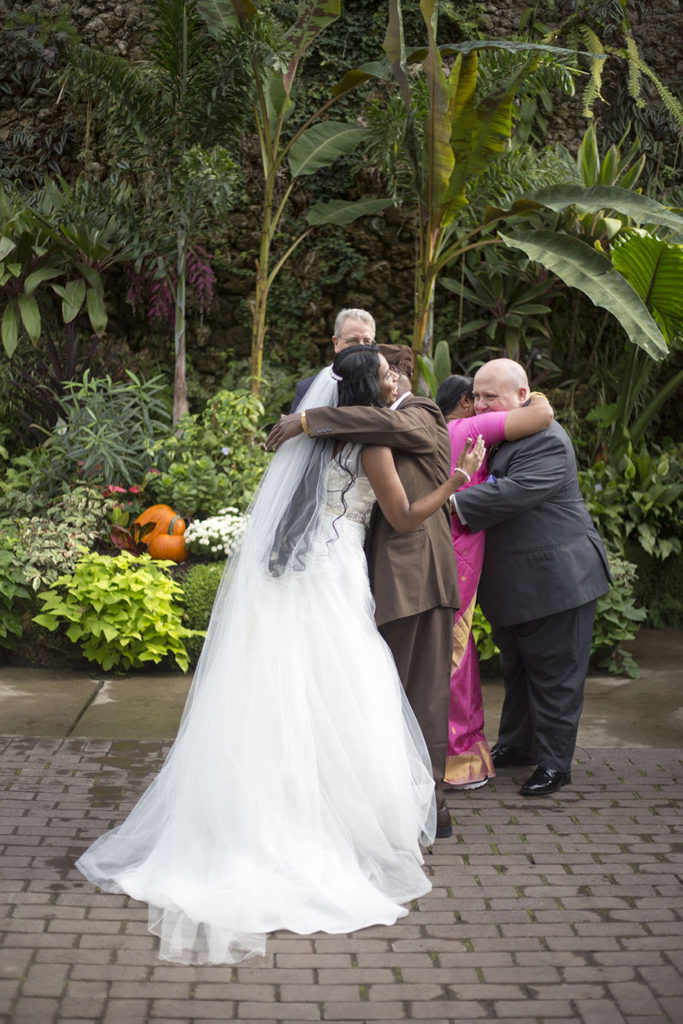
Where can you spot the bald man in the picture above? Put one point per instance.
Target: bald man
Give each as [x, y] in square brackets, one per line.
[544, 568]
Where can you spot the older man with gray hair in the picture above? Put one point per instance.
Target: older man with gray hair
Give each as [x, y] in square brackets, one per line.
[544, 568]
[351, 327]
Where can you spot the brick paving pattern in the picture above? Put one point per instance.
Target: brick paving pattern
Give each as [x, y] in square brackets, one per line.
[567, 908]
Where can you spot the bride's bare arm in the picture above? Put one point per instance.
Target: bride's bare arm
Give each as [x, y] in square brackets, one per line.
[378, 463]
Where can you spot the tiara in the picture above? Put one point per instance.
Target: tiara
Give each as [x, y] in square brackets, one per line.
[335, 376]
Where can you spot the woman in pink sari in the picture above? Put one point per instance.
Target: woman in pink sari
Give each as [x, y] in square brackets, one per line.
[469, 764]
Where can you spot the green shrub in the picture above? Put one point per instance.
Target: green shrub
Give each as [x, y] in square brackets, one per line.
[658, 587]
[108, 429]
[481, 630]
[638, 498]
[12, 594]
[617, 619]
[122, 611]
[199, 593]
[212, 460]
[49, 544]
[23, 485]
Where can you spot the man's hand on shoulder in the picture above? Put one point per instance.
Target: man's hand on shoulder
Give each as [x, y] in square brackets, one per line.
[288, 426]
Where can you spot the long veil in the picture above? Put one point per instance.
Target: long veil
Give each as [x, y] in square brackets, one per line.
[298, 786]
[283, 519]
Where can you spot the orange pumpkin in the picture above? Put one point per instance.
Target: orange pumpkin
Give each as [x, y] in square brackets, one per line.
[170, 543]
[156, 516]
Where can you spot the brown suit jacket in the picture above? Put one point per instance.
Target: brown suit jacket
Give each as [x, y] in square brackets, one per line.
[409, 572]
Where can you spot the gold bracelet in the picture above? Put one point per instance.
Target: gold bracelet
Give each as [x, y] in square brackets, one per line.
[304, 423]
[537, 394]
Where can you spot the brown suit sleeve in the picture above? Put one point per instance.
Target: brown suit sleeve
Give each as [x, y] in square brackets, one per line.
[410, 428]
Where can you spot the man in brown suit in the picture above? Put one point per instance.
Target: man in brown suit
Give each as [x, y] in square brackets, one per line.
[413, 575]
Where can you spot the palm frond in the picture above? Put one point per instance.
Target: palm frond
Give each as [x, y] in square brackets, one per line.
[592, 91]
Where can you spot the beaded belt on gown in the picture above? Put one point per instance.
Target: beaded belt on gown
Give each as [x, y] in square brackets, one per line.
[355, 517]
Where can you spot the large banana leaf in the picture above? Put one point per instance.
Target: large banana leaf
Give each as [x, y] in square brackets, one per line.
[641, 209]
[319, 145]
[591, 272]
[439, 157]
[654, 269]
[222, 15]
[314, 16]
[342, 212]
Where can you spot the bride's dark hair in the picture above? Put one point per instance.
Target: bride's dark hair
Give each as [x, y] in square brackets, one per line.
[357, 370]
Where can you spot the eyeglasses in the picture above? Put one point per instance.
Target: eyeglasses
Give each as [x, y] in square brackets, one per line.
[358, 341]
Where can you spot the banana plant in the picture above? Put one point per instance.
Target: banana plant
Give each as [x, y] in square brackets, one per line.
[461, 137]
[287, 156]
[435, 368]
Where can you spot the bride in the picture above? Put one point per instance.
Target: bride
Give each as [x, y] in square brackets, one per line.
[298, 788]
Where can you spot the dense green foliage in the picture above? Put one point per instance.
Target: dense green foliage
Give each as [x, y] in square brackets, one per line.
[199, 589]
[213, 460]
[108, 431]
[169, 144]
[617, 619]
[13, 594]
[638, 497]
[48, 540]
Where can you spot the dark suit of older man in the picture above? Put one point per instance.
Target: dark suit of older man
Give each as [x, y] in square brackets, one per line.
[544, 568]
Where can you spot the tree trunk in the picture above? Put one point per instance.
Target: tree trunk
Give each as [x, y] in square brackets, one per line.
[180, 406]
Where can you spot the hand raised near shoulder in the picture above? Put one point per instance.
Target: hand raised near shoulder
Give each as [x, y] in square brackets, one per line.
[288, 426]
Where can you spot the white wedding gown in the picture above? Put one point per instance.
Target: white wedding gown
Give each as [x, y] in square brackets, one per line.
[299, 785]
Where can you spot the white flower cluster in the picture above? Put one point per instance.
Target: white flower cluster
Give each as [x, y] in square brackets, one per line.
[218, 536]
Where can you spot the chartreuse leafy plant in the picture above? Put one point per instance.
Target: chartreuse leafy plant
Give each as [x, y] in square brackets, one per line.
[122, 611]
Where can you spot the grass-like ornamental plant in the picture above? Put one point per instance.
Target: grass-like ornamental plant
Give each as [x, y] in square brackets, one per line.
[122, 611]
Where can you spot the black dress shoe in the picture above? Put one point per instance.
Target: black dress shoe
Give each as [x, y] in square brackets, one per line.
[544, 781]
[444, 828]
[503, 755]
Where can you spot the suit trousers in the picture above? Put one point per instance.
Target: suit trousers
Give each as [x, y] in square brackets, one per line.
[422, 646]
[544, 665]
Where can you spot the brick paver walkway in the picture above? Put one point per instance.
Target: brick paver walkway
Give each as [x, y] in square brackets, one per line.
[567, 908]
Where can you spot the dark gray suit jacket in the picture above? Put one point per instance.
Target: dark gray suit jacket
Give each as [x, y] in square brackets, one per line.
[300, 390]
[543, 553]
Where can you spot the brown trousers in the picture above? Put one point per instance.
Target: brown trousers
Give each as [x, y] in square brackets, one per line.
[422, 647]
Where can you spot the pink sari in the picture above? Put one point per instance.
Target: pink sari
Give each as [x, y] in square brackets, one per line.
[469, 757]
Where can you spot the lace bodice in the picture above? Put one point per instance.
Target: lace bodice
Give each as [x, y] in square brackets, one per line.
[359, 499]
